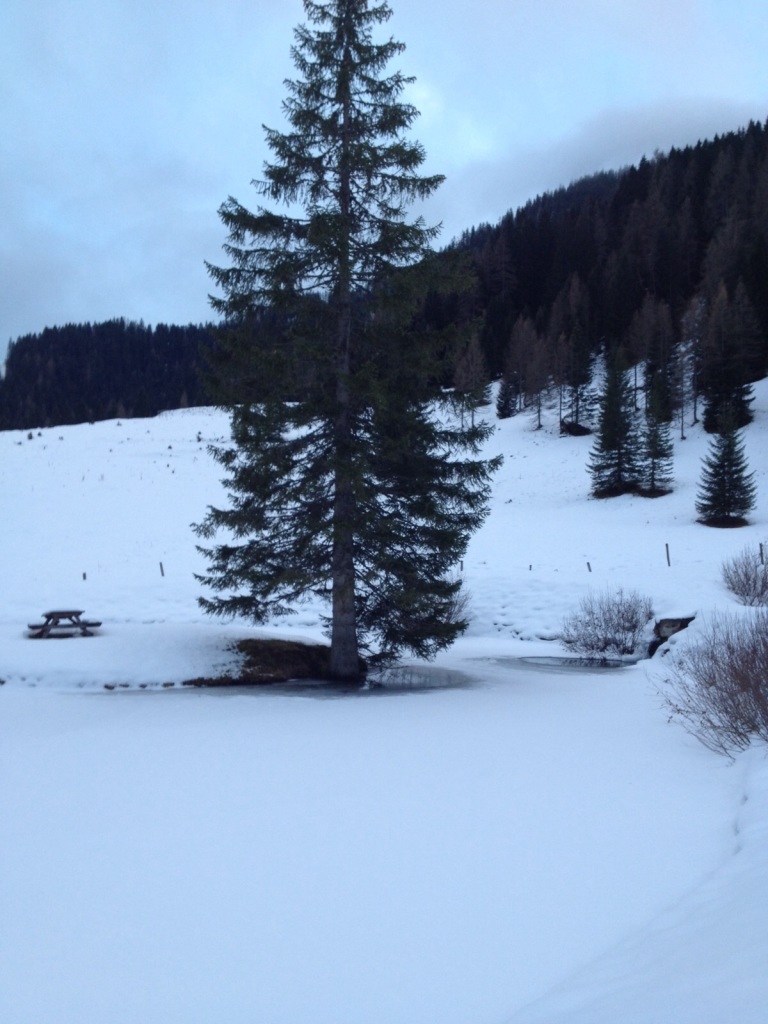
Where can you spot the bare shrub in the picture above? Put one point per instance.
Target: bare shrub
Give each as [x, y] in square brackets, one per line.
[719, 684]
[459, 607]
[746, 576]
[611, 624]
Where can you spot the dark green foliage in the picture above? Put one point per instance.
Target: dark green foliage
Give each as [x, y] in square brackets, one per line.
[344, 482]
[416, 498]
[85, 372]
[506, 398]
[727, 492]
[656, 449]
[614, 459]
[656, 455]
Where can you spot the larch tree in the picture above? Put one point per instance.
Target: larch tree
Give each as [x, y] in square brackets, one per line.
[689, 361]
[349, 477]
[726, 361]
[650, 344]
[569, 327]
[471, 379]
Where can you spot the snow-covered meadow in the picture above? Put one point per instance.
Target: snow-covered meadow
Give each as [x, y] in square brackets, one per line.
[523, 846]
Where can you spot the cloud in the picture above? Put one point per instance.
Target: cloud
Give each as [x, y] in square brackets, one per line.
[610, 139]
[126, 125]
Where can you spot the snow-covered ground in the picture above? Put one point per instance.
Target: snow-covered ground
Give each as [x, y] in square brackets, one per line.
[525, 846]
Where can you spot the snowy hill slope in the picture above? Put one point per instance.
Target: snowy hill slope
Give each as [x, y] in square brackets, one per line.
[532, 846]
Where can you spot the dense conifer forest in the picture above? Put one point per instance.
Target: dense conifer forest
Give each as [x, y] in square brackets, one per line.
[84, 372]
[666, 261]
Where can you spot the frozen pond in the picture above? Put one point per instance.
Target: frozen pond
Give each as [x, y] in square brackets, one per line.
[553, 664]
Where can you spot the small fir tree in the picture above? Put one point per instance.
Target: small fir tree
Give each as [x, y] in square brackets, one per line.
[727, 492]
[506, 398]
[656, 454]
[656, 450]
[614, 457]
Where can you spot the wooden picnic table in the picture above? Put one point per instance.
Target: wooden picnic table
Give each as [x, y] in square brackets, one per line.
[62, 624]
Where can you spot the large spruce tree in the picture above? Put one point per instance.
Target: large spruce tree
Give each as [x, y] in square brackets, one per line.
[344, 481]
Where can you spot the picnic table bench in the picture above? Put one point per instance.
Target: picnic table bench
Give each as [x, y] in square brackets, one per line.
[60, 624]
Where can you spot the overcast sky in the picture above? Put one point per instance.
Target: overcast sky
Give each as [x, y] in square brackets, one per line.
[125, 123]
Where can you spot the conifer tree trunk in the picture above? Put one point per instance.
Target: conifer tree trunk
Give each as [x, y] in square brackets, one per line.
[344, 653]
[344, 646]
[344, 641]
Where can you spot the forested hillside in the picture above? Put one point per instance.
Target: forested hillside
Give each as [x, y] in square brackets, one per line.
[665, 260]
[83, 372]
[665, 263]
